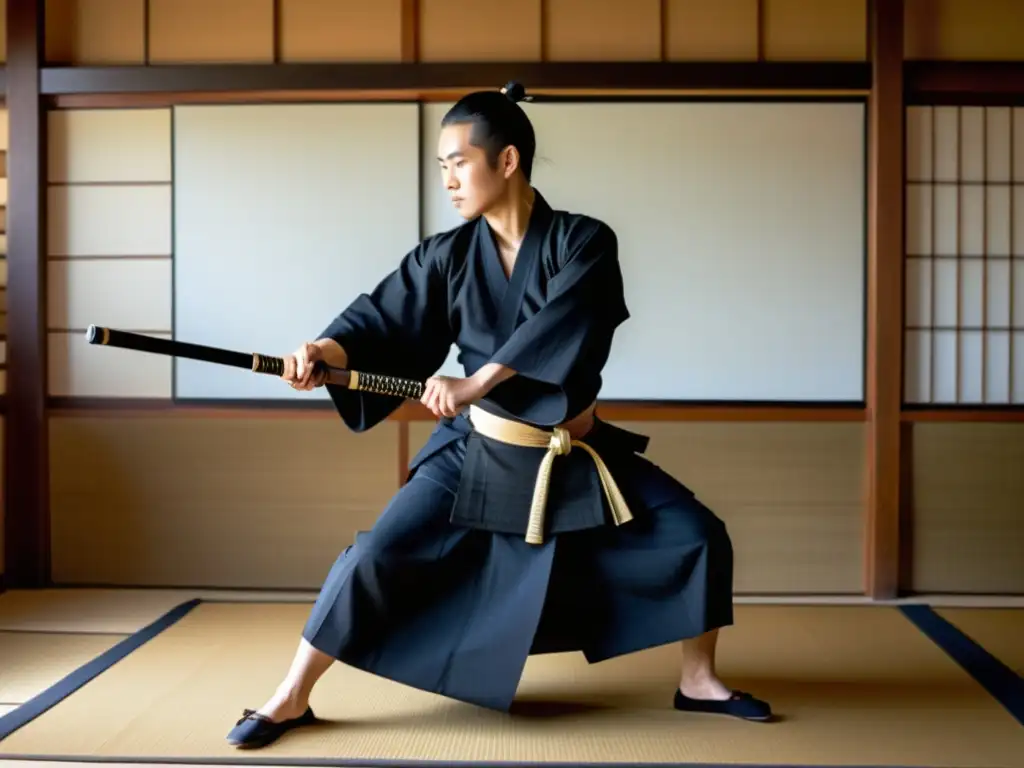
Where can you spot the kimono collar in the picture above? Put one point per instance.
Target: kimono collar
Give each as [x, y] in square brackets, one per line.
[527, 259]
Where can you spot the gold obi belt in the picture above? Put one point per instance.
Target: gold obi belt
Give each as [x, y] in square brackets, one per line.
[558, 443]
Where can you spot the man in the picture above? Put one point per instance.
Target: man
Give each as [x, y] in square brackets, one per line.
[528, 525]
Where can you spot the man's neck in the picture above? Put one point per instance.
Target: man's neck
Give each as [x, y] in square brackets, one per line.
[510, 220]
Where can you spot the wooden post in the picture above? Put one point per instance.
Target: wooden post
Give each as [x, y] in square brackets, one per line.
[27, 559]
[884, 300]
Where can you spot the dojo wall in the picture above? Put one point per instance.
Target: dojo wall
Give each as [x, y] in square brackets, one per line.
[268, 499]
[201, 500]
[3, 309]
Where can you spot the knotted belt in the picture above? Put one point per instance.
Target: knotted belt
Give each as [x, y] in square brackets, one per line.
[558, 443]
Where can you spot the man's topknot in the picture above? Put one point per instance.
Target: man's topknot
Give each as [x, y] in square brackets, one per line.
[514, 91]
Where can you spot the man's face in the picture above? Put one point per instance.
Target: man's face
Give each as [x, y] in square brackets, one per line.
[473, 185]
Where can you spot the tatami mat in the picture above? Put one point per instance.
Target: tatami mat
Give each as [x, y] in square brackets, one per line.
[30, 662]
[1000, 631]
[853, 685]
[102, 610]
[124, 610]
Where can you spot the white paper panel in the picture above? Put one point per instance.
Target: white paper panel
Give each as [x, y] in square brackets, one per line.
[972, 144]
[997, 148]
[1017, 309]
[1018, 367]
[742, 246]
[946, 285]
[918, 212]
[917, 356]
[997, 304]
[919, 143]
[1018, 144]
[972, 293]
[946, 220]
[283, 215]
[919, 292]
[972, 221]
[981, 216]
[1018, 217]
[947, 156]
[80, 369]
[997, 367]
[971, 366]
[945, 365]
[997, 214]
[116, 220]
[131, 294]
[109, 145]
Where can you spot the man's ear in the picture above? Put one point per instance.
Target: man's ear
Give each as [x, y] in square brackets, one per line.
[510, 161]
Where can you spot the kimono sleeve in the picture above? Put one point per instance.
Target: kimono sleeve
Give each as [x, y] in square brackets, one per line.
[401, 328]
[568, 339]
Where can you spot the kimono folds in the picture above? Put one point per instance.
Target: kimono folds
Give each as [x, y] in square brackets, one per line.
[444, 593]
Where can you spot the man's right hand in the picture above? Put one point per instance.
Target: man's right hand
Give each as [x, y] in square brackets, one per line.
[298, 368]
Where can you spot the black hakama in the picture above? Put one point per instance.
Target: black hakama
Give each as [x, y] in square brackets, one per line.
[444, 593]
[456, 610]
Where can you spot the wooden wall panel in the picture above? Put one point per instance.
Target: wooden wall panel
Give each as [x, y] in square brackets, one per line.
[165, 501]
[709, 30]
[95, 32]
[811, 30]
[341, 30]
[968, 515]
[496, 30]
[211, 31]
[791, 495]
[592, 30]
[964, 29]
[98, 32]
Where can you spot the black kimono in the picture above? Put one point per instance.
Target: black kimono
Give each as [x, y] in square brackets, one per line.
[444, 594]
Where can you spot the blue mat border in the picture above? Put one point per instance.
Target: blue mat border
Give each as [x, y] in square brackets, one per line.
[299, 762]
[1001, 682]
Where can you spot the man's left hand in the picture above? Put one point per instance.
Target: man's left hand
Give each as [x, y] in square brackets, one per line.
[447, 395]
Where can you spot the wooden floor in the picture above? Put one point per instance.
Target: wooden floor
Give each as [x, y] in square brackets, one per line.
[83, 623]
